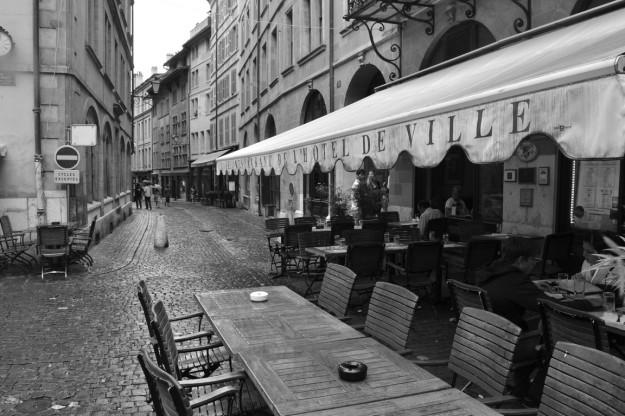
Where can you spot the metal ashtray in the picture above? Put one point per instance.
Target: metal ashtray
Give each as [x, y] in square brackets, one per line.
[352, 371]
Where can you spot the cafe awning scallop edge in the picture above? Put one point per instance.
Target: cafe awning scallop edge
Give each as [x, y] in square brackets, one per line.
[568, 84]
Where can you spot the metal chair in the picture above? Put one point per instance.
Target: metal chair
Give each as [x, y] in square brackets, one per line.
[311, 266]
[436, 225]
[336, 290]
[185, 362]
[390, 314]
[420, 268]
[556, 254]
[274, 227]
[405, 234]
[376, 225]
[290, 248]
[305, 220]
[366, 260]
[363, 236]
[170, 396]
[338, 227]
[478, 254]
[80, 244]
[53, 248]
[464, 294]
[389, 216]
[561, 323]
[16, 245]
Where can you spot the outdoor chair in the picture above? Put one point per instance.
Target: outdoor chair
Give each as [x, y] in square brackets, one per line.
[556, 253]
[390, 314]
[363, 236]
[13, 254]
[562, 323]
[290, 247]
[170, 396]
[479, 252]
[53, 248]
[376, 225]
[305, 220]
[185, 362]
[80, 244]
[17, 243]
[487, 351]
[274, 227]
[311, 266]
[580, 381]
[405, 234]
[147, 305]
[341, 218]
[389, 216]
[436, 225]
[420, 270]
[8, 231]
[338, 228]
[336, 290]
[464, 294]
[366, 260]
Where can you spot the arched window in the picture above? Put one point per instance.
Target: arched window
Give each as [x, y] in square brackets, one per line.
[91, 162]
[270, 127]
[107, 160]
[363, 83]
[314, 107]
[460, 39]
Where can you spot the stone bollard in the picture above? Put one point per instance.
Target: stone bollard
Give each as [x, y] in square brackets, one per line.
[160, 236]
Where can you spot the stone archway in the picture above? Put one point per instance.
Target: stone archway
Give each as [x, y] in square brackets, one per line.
[314, 107]
[270, 127]
[363, 83]
[107, 161]
[458, 40]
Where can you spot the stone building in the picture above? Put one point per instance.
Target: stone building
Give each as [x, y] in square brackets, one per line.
[65, 64]
[303, 60]
[141, 161]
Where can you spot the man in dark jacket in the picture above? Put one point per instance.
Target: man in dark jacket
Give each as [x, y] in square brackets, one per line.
[510, 289]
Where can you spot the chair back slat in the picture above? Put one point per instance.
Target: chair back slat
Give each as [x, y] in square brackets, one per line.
[464, 294]
[167, 394]
[389, 216]
[363, 236]
[336, 289]
[291, 232]
[423, 256]
[5, 223]
[306, 220]
[483, 349]
[313, 239]
[374, 225]
[339, 227]
[52, 238]
[406, 234]
[273, 224]
[561, 323]
[145, 299]
[390, 314]
[583, 381]
[167, 350]
[365, 259]
[479, 253]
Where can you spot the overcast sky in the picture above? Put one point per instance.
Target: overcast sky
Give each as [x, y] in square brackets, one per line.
[161, 27]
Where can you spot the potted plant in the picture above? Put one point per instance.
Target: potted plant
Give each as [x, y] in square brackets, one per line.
[611, 265]
[341, 203]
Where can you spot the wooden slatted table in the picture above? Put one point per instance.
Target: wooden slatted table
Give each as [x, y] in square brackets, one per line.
[237, 301]
[449, 402]
[304, 378]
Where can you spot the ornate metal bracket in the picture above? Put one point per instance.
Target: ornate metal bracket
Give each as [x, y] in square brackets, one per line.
[382, 11]
[470, 13]
[395, 48]
[521, 25]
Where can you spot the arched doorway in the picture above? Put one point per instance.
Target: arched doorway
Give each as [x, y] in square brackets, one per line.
[270, 127]
[107, 163]
[363, 83]
[583, 5]
[91, 165]
[458, 40]
[314, 107]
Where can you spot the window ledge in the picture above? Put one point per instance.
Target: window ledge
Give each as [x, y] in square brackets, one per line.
[316, 51]
[274, 82]
[94, 56]
[263, 91]
[287, 70]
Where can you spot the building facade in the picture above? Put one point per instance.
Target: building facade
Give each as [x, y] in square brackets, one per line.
[141, 162]
[303, 59]
[69, 63]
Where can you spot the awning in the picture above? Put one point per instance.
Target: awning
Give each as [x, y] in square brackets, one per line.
[567, 84]
[208, 159]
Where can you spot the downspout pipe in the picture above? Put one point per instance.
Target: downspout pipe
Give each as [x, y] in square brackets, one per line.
[38, 157]
[257, 75]
[331, 182]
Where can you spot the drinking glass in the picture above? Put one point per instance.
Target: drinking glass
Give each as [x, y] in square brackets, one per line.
[608, 302]
[562, 282]
[579, 285]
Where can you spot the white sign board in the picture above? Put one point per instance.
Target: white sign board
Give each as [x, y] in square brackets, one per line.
[84, 134]
[66, 176]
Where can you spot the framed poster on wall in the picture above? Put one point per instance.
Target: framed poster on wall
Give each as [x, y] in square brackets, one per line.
[596, 191]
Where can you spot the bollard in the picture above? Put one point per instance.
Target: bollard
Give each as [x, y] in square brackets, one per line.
[160, 236]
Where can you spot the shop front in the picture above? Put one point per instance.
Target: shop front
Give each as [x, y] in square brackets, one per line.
[530, 129]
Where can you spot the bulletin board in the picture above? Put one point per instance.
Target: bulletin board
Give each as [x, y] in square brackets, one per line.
[597, 194]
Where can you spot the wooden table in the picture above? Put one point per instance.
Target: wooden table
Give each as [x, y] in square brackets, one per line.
[304, 378]
[237, 301]
[450, 402]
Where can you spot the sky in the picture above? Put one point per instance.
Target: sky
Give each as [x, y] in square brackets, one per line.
[161, 27]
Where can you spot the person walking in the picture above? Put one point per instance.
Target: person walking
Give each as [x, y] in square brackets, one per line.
[147, 193]
[156, 192]
[166, 195]
[138, 195]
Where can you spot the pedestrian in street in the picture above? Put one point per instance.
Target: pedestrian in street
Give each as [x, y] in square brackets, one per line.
[147, 193]
[138, 195]
[166, 195]
[156, 192]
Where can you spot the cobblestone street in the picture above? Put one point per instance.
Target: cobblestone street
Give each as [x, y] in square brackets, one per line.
[69, 347]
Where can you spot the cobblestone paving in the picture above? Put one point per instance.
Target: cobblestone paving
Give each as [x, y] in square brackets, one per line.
[68, 346]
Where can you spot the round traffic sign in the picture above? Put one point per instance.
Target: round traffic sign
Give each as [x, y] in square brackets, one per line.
[67, 157]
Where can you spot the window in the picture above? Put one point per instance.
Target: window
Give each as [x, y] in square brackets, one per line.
[174, 95]
[208, 72]
[273, 67]
[207, 103]
[233, 121]
[94, 24]
[220, 132]
[253, 80]
[289, 38]
[227, 128]
[233, 82]
[306, 32]
[243, 93]
[200, 146]
[175, 126]
[319, 23]
[107, 44]
[183, 127]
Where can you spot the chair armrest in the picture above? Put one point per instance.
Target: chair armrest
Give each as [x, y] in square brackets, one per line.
[210, 346]
[222, 378]
[518, 412]
[214, 396]
[499, 400]
[396, 267]
[195, 335]
[359, 327]
[430, 363]
[404, 352]
[188, 316]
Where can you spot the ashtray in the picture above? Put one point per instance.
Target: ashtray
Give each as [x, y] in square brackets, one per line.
[258, 296]
[352, 371]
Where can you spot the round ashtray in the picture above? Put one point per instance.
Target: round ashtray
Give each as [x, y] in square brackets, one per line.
[352, 371]
[258, 296]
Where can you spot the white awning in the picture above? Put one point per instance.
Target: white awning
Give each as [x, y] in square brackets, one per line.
[567, 84]
[208, 159]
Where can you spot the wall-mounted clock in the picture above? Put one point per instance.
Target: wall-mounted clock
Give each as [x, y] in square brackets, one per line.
[527, 151]
[6, 42]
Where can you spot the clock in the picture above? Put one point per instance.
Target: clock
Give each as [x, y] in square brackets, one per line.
[6, 42]
[527, 151]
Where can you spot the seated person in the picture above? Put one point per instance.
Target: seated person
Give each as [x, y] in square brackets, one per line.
[455, 206]
[510, 289]
[427, 213]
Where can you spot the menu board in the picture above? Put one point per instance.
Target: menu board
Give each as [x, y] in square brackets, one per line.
[596, 198]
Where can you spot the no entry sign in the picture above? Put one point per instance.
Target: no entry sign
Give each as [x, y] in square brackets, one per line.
[67, 157]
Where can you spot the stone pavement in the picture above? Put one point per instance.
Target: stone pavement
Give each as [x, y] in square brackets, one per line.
[68, 346]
